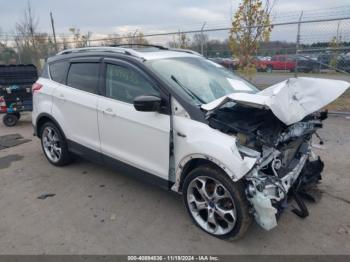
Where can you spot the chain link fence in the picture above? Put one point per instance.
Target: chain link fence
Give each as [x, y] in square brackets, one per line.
[305, 47]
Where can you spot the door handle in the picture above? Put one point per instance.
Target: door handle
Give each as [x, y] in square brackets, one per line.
[108, 111]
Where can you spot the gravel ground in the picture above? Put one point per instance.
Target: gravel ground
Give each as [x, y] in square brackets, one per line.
[96, 210]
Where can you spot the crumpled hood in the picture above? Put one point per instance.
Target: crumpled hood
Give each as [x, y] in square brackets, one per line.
[290, 100]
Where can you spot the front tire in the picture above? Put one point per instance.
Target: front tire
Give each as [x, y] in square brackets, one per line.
[215, 203]
[54, 145]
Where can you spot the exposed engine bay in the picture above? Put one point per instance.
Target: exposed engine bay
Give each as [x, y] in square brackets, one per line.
[286, 166]
[276, 126]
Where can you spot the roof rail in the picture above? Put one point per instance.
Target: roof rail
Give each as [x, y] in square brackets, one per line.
[127, 51]
[142, 45]
[185, 51]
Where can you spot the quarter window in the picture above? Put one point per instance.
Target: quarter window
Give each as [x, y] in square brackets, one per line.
[58, 71]
[125, 84]
[84, 76]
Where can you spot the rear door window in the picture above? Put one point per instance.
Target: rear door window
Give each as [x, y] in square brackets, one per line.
[58, 71]
[84, 76]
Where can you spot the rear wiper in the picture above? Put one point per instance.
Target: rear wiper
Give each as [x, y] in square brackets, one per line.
[188, 91]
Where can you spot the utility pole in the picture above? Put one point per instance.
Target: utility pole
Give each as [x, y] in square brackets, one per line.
[53, 31]
[88, 38]
[297, 46]
[202, 38]
[337, 38]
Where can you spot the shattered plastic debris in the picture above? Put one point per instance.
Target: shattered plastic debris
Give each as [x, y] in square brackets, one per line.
[343, 230]
[318, 146]
[46, 195]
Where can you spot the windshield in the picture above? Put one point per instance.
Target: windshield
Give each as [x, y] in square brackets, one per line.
[198, 78]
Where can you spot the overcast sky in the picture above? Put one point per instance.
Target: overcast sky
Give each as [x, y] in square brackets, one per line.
[107, 16]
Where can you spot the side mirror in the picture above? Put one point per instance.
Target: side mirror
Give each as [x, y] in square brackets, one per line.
[148, 103]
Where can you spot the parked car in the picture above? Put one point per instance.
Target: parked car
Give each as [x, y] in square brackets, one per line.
[229, 63]
[343, 62]
[307, 64]
[263, 58]
[185, 123]
[277, 62]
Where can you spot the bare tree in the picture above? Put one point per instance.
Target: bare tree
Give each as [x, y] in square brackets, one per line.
[180, 40]
[136, 38]
[32, 46]
[25, 36]
[80, 40]
[28, 26]
[199, 39]
[112, 40]
[139, 39]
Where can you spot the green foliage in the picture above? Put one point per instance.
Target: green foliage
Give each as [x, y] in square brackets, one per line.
[250, 26]
[7, 54]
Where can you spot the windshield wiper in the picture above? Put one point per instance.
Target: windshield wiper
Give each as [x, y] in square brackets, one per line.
[188, 91]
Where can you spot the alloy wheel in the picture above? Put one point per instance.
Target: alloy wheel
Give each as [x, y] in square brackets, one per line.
[211, 205]
[51, 144]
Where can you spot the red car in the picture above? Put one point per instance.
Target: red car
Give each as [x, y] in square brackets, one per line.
[277, 62]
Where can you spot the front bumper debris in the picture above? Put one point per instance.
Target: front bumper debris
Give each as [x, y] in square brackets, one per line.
[269, 195]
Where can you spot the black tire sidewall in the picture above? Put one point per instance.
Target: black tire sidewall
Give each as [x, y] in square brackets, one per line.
[18, 115]
[6, 118]
[234, 189]
[65, 157]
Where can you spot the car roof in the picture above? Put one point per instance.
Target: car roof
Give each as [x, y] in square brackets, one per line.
[148, 53]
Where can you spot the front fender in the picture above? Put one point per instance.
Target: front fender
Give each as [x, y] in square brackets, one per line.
[198, 140]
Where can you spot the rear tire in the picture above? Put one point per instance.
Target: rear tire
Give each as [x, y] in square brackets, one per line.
[54, 145]
[224, 212]
[10, 120]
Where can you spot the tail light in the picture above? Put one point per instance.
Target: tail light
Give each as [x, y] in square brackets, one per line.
[36, 87]
[3, 107]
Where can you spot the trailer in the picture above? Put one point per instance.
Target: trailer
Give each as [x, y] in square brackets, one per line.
[16, 91]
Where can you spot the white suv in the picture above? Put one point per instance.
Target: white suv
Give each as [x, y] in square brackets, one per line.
[174, 118]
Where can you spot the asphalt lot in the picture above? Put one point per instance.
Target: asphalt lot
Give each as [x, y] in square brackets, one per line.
[268, 79]
[98, 211]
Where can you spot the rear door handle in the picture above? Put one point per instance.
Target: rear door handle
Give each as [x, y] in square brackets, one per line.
[108, 111]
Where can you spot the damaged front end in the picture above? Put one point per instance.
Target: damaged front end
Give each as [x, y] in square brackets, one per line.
[284, 158]
[286, 167]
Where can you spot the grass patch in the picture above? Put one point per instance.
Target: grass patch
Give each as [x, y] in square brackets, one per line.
[342, 103]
